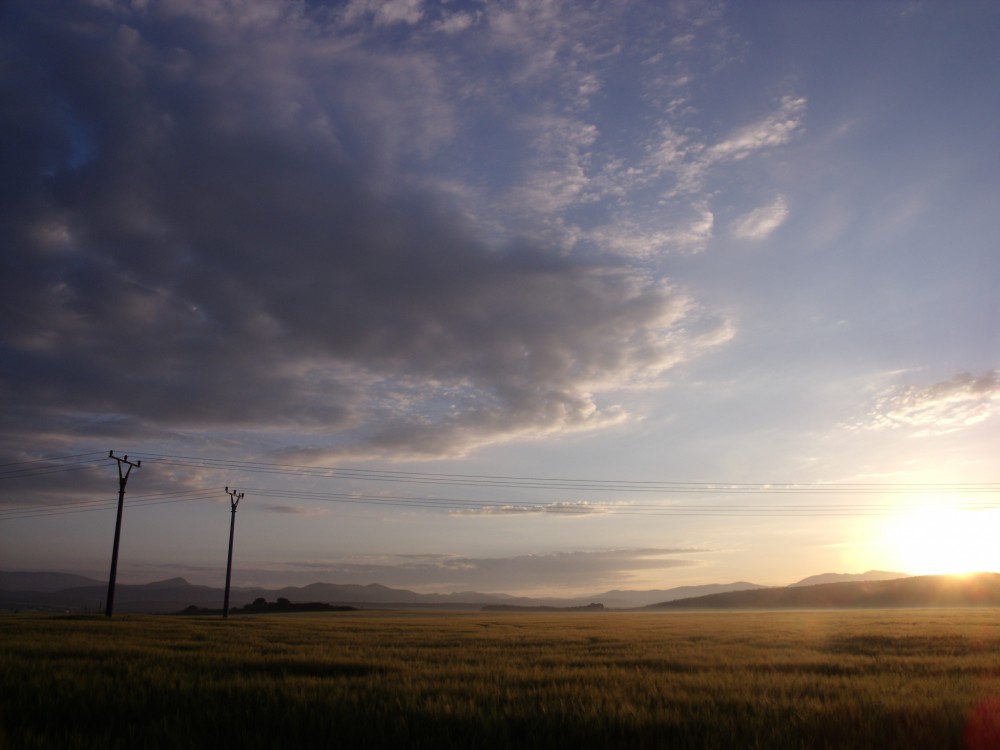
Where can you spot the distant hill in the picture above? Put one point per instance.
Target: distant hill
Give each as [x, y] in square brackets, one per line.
[626, 599]
[61, 592]
[66, 592]
[592, 607]
[981, 589]
[871, 575]
[160, 596]
[374, 593]
[176, 594]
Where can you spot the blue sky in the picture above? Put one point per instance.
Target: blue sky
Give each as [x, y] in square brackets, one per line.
[751, 246]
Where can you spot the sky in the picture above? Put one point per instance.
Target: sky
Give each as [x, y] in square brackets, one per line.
[539, 297]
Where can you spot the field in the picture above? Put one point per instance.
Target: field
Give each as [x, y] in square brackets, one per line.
[877, 679]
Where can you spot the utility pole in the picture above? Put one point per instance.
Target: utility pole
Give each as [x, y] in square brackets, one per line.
[122, 480]
[234, 500]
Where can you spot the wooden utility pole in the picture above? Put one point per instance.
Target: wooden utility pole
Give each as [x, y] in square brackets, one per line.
[122, 480]
[234, 500]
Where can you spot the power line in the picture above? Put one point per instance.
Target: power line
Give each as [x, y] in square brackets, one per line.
[488, 506]
[96, 454]
[666, 489]
[132, 500]
[24, 468]
[550, 483]
[570, 508]
[459, 505]
[26, 510]
[34, 471]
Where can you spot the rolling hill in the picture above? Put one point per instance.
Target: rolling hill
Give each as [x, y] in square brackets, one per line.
[871, 575]
[58, 591]
[66, 592]
[981, 589]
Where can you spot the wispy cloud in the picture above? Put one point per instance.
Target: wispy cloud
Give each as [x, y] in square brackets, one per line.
[385, 11]
[455, 23]
[580, 508]
[774, 130]
[761, 222]
[947, 406]
[295, 510]
[676, 167]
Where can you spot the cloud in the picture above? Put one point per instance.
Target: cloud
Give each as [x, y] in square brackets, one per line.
[455, 22]
[385, 11]
[313, 224]
[690, 157]
[963, 401]
[774, 130]
[677, 167]
[295, 510]
[761, 222]
[63, 485]
[580, 508]
[570, 572]
[91, 479]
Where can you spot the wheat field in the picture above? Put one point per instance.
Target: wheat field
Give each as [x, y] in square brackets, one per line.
[875, 679]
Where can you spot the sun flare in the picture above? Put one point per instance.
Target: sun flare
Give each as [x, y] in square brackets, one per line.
[943, 539]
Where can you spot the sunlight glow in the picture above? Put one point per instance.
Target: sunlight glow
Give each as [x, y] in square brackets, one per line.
[940, 538]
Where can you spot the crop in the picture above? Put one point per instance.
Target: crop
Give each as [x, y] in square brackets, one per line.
[876, 679]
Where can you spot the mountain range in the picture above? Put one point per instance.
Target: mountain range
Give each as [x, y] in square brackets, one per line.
[978, 590]
[69, 592]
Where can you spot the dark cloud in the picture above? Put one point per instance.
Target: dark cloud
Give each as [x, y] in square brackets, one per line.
[209, 221]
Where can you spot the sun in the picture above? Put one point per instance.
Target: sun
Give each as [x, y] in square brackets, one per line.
[943, 538]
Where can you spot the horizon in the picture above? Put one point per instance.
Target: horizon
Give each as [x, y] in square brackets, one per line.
[521, 297]
[881, 575]
[47, 591]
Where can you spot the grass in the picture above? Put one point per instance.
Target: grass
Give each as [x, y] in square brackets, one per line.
[876, 679]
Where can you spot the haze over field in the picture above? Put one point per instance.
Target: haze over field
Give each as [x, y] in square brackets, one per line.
[536, 297]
